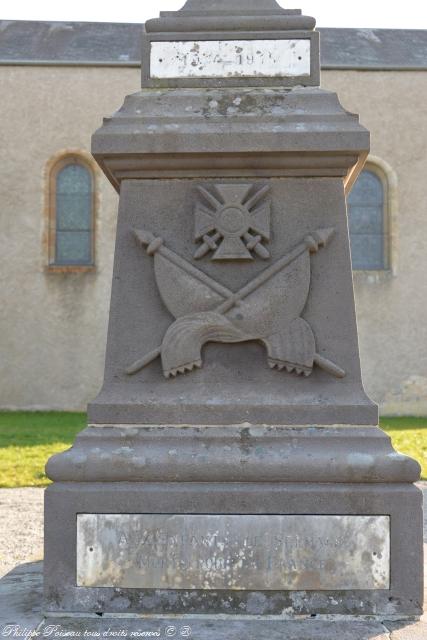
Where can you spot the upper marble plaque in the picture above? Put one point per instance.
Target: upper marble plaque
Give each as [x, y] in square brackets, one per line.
[230, 58]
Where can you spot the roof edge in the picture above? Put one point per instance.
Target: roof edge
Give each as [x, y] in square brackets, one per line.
[118, 44]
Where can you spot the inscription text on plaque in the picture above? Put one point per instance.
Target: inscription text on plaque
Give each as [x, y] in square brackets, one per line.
[238, 552]
[230, 58]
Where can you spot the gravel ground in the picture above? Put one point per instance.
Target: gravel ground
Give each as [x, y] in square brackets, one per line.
[21, 525]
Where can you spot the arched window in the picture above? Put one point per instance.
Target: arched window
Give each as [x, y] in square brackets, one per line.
[368, 222]
[71, 213]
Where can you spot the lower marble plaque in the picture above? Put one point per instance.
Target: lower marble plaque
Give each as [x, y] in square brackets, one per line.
[238, 552]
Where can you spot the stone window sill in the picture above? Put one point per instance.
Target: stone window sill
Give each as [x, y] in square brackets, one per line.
[72, 268]
[373, 276]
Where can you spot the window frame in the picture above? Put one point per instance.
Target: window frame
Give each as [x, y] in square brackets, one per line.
[383, 171]
[56, 165]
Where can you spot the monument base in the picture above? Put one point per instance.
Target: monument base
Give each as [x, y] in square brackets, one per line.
[327, 546]
[21, 613]
[237, 629]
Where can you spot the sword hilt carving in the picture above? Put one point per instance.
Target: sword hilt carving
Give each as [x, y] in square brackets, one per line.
[253, 243]
[209, 244]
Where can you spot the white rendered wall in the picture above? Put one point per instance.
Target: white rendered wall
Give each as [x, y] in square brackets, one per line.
[53, 325]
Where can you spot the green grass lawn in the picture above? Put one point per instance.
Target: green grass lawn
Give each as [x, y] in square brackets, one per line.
[28, 439]
[409, 435]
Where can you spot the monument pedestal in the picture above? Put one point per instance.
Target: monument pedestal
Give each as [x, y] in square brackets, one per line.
[232, 463]
[247, 520]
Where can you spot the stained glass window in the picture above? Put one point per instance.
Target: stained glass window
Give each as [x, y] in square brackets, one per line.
[368, 234]
[73, 215]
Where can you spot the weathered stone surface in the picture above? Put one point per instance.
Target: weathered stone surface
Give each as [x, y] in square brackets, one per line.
[236, 382]
[401, 501]
[238, 552]
[244, 33]
[234, 453]
[236, 132]
[20, 607]
[21, 592]
[253, 326]
[214, 629]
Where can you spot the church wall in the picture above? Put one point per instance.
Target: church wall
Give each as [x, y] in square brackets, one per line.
[53, 323]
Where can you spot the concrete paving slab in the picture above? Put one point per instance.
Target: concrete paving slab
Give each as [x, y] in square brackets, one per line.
[210, 629]
[21, 592]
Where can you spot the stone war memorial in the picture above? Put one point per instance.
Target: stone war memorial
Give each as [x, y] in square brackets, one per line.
[233, 470]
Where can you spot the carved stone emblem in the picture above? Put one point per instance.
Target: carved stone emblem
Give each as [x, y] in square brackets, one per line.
[233, 220]
[267, 309]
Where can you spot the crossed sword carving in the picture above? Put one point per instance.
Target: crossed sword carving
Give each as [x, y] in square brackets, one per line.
[311, 243]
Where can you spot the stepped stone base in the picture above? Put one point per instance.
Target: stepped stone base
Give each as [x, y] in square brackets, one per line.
[21, 614]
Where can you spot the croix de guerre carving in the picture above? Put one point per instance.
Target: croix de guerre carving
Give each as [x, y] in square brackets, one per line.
[233, 220]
